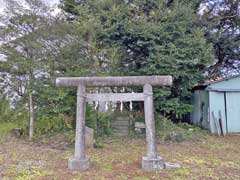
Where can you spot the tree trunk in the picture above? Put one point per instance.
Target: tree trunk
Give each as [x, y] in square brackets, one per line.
[31, 116]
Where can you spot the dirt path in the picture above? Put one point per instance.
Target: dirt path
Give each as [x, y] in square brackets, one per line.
[213, 158]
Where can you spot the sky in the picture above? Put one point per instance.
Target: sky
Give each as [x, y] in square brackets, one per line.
[2, 5]
[49, 2]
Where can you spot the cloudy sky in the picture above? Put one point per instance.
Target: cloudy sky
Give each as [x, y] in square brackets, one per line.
[49, 2]
[2, 5]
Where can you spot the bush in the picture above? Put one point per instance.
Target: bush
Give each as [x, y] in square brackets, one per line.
[169, 131]
[8, 114]
[11, 118]
[45, 124]
[5, 128]
[99, 121]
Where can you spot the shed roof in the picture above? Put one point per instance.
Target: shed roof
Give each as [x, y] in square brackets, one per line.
[220, 84]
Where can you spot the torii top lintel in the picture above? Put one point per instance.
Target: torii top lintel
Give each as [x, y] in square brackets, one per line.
[115, 81]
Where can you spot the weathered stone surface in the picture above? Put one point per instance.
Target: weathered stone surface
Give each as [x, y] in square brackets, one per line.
[169, 165]
[80, 124]
[120, 125]
[115, 81]
[78, 164]
[149, 121]
[139, 127]
[152, 163]
[89, 137]
[107, 97]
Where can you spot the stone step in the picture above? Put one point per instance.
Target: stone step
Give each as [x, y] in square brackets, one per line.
[121, 119]
[120, 123]
[120, 127]
[120, 132]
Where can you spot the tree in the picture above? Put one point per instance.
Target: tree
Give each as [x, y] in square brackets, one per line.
[150, 38]
[221, 20]
[27, 42]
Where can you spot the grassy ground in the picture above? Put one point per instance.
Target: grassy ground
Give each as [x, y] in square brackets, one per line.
[119, 159]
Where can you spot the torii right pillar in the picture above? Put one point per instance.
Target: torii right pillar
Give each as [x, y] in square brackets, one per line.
[151, 161]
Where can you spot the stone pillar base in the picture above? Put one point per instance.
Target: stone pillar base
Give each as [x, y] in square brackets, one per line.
[152, 164]
[78, 164]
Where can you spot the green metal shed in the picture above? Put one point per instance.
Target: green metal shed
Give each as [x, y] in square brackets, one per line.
[216, 105]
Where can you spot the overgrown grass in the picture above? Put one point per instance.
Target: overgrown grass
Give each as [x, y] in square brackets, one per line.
[178, 132]
[5, 128]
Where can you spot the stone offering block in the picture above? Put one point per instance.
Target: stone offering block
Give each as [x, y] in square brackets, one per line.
[139, 127]
[169, 165]
[89, 137]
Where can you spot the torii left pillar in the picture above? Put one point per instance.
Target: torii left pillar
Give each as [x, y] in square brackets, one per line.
[79, 160]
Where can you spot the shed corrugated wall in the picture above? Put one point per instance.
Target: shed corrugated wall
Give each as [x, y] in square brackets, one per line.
[217, 107]
[225, 97]
[233, 111]
[200, 108]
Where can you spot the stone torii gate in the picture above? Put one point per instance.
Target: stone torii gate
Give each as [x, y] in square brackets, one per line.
[149, 162]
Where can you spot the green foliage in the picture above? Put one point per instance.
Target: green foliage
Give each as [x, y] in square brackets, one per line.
[169, 131]
[42, 47]
[173, 106]
[107, 37]
[138, 117]
[17, 116]
[45, 124]
[57, 113]
[54, 101]
[104, 123]
[99, 121]
[221, 20]
[70, 6]
[150, 38]
[6, 114]
[98, 143]
[11, 118]
[5, 128]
